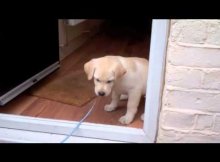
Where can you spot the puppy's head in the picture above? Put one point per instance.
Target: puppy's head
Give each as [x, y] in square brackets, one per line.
[105, 71]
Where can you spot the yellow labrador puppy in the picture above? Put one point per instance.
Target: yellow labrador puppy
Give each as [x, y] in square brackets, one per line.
[124, 77]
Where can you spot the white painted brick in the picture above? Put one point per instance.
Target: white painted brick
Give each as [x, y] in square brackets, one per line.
[193, 100]
[176, 28]
[217, 124]
[204, 122]
[212, 80]
[194, 57]
[189, 31]
[213, 32]
[173, 21]
[183, 77]
[192, 82]
[193, 78]
[177, 119]
[168, 136]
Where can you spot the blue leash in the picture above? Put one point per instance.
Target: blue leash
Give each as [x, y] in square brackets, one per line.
[78, 125]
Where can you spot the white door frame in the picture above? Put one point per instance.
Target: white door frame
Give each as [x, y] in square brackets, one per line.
[158, 51]
[50, 130]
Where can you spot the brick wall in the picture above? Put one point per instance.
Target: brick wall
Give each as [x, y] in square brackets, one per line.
[191, 99]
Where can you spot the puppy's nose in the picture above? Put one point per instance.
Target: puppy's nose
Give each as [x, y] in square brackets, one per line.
[101, 93]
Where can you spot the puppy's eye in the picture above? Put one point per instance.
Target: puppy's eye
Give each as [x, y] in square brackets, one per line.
[109, 81]
[97, 80]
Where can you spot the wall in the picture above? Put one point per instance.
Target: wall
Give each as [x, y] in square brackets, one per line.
[191, 98]
[74, 22]
[75, 34]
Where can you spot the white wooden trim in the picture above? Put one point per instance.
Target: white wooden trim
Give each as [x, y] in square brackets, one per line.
[62, 127]
[51, 127]
[23, 136]
[158, 46]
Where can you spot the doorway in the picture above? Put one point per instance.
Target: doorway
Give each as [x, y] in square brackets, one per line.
[123, 45]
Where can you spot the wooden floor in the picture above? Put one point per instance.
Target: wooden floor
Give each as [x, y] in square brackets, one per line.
[100, 45]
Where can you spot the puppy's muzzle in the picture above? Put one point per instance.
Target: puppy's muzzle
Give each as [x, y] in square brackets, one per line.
[101, 93]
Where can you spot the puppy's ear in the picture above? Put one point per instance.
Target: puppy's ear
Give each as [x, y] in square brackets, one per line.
[89, 69]
[120, 71]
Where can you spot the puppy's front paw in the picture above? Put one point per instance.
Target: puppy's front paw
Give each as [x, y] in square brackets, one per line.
[125, 119]
[109, 108]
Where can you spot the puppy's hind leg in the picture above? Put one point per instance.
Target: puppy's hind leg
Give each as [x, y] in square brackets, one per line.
[142, 117]
[123, 97]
